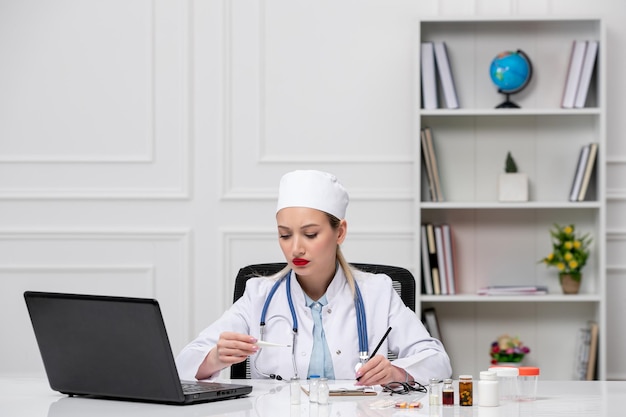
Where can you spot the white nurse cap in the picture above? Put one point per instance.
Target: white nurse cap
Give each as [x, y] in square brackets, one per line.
[313, 189]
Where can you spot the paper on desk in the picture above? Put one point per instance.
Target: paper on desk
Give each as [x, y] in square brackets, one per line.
[347, 389]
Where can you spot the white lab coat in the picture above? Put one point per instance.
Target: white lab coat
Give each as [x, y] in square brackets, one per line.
[418, 353]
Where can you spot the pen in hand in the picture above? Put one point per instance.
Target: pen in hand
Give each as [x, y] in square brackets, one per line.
[378, 346]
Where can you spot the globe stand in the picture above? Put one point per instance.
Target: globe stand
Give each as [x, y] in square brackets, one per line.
[507, 104]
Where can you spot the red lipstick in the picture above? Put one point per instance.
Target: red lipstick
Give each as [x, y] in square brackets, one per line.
[300, 262]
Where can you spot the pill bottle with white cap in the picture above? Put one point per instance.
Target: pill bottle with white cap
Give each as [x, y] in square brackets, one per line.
[488, 393]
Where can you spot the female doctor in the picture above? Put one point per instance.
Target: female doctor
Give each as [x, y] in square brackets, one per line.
[325, 316]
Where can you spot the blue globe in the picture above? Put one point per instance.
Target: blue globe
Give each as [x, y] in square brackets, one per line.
[510, 71]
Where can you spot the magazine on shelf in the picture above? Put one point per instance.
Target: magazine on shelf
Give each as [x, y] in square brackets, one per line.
[513, 290]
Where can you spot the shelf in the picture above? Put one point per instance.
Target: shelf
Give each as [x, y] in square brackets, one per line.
[549, 298]
[472, 205]
[466, 112]
[500, 243]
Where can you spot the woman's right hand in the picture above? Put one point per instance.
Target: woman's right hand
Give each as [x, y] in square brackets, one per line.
[231, 348]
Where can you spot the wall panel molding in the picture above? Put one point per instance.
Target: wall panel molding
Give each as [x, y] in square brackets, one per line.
[151, 155]
[147, 263]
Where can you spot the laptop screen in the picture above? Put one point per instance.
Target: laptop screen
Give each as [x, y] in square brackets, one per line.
[106, 346]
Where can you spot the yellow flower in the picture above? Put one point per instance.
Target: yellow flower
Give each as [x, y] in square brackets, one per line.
[569, 252]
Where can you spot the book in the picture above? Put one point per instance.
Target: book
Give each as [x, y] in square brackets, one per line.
[580, 173]
[441, 261]
[593, 150]
[449, 257]
[573, 74]
[588, 65]
[513, 290]
[432, 323]
[427, 278]
[433, 162]
[445, 75]
[592, 358]
[429, 80]
[428, 166]
[432, 255]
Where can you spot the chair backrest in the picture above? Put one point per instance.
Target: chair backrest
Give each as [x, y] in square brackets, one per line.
[402, 280]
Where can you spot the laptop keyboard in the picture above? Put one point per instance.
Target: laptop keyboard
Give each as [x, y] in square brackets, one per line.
[195, 387]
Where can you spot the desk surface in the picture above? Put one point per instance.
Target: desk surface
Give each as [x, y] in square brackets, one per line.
[32, 397]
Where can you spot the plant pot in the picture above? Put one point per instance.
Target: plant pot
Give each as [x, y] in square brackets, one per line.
[513, 187]
[569, 283]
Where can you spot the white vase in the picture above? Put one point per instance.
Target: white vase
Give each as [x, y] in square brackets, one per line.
[513, 187]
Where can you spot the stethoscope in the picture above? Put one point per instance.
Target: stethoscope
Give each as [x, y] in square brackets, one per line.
[361, 325]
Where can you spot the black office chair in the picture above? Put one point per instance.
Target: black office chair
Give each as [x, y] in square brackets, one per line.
[403, 283]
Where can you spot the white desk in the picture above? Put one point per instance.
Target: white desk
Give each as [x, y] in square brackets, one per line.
[32, 397]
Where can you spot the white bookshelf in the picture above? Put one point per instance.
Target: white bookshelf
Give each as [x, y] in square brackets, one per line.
[501, 243]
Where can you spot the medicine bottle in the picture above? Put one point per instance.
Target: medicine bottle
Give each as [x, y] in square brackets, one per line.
[466, 391]
[507, 382]
[488, 393]
[528, 377]
[323, 391]
[447, 393]
[314, 382]
[294, 387]
[434, 392]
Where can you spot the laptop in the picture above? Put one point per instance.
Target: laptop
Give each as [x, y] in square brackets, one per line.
[114, 348]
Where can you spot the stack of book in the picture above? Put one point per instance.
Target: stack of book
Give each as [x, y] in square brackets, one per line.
[430, 165]
[579, 74]
[513, 290]
[435, 61]
[584, 170]
[438, 270]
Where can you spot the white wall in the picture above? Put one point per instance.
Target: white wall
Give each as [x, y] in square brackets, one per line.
[141, 143]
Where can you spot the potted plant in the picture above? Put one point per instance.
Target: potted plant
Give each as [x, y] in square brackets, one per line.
[513, 185]
[508, 350]
[569, 255]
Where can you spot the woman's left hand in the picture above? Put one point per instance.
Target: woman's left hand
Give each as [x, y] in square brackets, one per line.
[379, 371]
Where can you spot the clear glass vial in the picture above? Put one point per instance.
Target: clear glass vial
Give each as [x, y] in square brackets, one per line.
[323, 391]
[434, 392]
[507, 381]
[314, 382]
[447, 392]
[294, 387]
[528, 377]
[466, 390]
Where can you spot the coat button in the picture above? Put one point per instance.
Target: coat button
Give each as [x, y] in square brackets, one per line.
[338, 352]
[330, 310]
